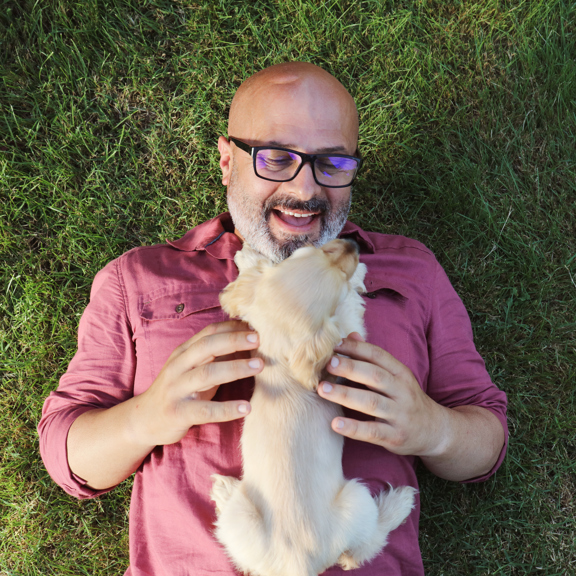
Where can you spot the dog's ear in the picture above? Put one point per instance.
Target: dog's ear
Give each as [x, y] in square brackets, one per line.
[342, 254]
[311, 356]
[238, 296]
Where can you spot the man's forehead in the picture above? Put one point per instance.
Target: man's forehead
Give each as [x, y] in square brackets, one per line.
[300, 90]
[288, 144]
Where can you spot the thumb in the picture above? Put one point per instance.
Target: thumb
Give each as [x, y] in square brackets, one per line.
[356, 336]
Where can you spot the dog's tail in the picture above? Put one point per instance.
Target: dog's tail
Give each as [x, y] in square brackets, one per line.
[389, 509]
[394, 506]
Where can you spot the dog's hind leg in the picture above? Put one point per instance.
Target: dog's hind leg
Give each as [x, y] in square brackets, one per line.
[368, 521]
[240, 527]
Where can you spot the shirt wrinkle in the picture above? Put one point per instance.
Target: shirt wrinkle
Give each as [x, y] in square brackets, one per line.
[429, 299]
[123, 290]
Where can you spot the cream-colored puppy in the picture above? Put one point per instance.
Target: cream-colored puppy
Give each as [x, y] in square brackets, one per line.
[293, 513]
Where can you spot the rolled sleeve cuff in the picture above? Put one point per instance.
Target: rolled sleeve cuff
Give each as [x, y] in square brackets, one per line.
[53, 431]
[503, 420]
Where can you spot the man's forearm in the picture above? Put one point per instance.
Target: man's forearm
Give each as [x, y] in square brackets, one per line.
[472, 441]
[105, 446]
[102, 448]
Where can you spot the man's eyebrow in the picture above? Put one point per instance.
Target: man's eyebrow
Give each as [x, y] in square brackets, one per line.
[335, 149]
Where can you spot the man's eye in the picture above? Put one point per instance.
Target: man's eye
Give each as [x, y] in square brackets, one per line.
[276, 164]
[275, 161]
[326, 166]
[279, 161]
[336, 166]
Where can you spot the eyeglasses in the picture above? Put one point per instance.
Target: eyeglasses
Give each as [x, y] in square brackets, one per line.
[283, 165]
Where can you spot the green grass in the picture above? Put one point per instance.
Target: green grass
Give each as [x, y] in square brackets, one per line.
[109, 115]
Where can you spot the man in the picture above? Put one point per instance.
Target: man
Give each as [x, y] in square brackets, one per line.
[135, 399]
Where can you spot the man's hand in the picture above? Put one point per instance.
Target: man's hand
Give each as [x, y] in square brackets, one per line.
[105, 446]
[456, 444]
[181, 395]
[407, 421]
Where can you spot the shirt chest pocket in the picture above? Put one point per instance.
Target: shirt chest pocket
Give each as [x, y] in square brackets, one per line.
[173, 317]
[387, 320]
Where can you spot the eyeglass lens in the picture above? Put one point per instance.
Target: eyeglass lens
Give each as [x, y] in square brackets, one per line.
[281, 165]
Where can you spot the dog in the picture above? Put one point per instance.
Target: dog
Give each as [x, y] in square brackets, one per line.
[293, 513]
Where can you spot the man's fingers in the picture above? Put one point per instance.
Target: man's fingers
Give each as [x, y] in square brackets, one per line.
[200, 412]
[213, 374]
[194, 410]
[370, 431]
[211, 346]
[364, 401]
[371, 375]
[210, 330]
[356, 348]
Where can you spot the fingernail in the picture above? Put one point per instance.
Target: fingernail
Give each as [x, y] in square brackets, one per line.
[334, 362]
[252, 338]
[339, 424]
[242, 408]
[326, 387]
[255, 363]
[340, 343]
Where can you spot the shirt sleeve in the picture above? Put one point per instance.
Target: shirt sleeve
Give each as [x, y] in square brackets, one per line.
[100, 375]
[458, 376]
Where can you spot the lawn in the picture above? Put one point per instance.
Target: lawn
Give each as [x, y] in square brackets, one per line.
[109, 115]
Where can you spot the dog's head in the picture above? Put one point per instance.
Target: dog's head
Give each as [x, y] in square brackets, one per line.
[293, 304]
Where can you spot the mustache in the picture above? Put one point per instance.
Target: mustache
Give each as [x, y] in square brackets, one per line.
[320, 205]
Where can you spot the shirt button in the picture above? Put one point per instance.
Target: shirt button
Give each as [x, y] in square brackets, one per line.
[179, 308]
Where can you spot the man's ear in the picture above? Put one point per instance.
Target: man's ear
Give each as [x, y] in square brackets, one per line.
[225, 149]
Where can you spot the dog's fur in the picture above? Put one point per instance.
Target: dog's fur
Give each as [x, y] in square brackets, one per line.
[293, 513]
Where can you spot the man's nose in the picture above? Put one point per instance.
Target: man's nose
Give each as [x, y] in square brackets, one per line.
[303, 186]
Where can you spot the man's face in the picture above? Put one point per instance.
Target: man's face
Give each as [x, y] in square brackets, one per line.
[276, 218]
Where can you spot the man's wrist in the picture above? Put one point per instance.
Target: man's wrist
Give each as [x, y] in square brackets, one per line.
[470, 449]
[440, 434]
[136, 430]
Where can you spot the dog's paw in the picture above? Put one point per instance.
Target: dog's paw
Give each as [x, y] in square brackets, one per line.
[347, 561]
[222, 489]
[249, 258]
[357, 280]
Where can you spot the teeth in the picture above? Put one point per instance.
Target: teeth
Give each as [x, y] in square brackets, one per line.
[294, 214]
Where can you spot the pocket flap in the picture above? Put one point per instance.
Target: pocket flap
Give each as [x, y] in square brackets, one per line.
[374, 284]
[179, 304]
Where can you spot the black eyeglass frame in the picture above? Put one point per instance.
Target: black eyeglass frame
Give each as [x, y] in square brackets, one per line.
[311, 158]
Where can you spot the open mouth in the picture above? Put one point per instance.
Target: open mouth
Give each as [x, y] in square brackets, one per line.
[297, 218]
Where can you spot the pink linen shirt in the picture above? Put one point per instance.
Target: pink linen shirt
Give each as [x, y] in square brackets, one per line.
[151, 299]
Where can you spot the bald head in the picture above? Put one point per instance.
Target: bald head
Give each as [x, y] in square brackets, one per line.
[293, 95]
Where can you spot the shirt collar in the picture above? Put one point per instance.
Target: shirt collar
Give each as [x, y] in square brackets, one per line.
[217, 237]
[350, 230]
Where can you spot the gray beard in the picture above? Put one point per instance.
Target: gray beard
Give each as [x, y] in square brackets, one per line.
[251, 220]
